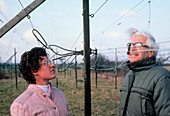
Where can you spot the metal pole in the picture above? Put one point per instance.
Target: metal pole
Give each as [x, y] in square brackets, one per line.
[65, 73]
[56, 70]
[96, 65]
[116, 68]
[15, 69]
[87, 58]
[76, 68]
[0, 66]
[107, 70]
[11, 67]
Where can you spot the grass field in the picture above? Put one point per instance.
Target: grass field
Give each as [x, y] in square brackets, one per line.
[167, 67]
[104, 98]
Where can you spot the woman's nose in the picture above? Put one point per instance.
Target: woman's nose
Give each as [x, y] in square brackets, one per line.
[52, 64]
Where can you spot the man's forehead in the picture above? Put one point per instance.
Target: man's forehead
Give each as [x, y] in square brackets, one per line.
[139, 38]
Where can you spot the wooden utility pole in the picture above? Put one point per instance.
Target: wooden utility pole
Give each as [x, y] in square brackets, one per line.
[87, 83]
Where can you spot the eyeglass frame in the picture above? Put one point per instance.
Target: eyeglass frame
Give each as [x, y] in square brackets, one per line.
[47, 63]
[135, 45]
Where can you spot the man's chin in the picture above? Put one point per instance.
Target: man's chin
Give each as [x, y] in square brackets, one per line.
[133, 60]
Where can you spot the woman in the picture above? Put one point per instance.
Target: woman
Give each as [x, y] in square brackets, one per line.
[40, 98]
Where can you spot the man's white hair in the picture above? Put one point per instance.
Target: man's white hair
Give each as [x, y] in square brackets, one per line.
[151, 42]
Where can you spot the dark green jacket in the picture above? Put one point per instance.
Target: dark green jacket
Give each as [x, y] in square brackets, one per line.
[149, 90]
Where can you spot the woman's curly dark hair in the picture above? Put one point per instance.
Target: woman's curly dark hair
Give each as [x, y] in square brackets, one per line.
[30, 63]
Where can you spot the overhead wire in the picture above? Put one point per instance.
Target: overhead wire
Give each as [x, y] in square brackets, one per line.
[121, 17]
[37, 34]
[16, 30]
[100, 7]
[133, 14]
[3, 16]
[1, 21]
[21, 4]
[158, 43]
[10, 44]
[77, 39]
[149, 20]
[46, 45]
[67, 65]
[163, 59]
[33, 29]
[28, 16]
[92, 15]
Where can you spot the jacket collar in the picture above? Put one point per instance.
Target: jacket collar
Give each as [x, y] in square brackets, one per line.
[142, 64]
[36, 89]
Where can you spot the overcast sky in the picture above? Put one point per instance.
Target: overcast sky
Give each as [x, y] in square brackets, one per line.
[61, 23]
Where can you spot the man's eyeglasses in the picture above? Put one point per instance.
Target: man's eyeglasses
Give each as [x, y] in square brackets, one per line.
[47, 63]
[138, 44]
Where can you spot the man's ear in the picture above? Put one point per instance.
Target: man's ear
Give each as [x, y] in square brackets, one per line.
[151, 53]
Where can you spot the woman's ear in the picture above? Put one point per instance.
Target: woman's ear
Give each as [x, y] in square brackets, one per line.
[34, 73]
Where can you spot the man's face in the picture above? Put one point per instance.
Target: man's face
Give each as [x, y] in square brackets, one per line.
[46, 72]
[136, 53]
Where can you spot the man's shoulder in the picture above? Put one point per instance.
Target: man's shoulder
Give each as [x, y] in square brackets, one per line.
[160, 70]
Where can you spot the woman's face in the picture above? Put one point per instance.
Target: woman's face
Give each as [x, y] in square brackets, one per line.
[46, 72]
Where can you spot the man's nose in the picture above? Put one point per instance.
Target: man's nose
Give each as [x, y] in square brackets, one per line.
[132, 48]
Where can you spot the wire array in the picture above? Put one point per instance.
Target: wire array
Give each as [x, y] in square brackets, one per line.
[70, 53]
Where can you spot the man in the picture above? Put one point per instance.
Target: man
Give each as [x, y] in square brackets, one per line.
[40, 98]
[145, 89]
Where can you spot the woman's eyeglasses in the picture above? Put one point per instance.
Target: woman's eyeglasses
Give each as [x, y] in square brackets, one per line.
[47, 63]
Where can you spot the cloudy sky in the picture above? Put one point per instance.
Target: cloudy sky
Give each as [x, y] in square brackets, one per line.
[60, 22]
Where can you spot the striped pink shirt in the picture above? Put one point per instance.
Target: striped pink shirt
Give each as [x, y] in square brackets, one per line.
[34, 101]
